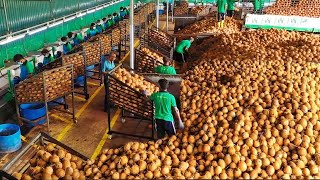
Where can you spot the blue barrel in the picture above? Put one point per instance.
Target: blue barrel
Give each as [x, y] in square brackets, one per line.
[53, 103]
[33, 111]
[90, 68]
[160, 12]
[79, 81]
[10, 138]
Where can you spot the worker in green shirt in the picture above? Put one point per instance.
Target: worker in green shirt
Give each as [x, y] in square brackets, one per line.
[26, 67]
[165, 68]
[126, 10]
[110, 21]
[182, 49]
[76, 37]
[258, 5]
[66, 45]
[164, 104]
[100, 26]
[230, 9]
[92, 31]
[221, 4]
[48, 58]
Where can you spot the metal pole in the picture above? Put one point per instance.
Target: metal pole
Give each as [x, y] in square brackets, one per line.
[6, 15]
[131, 35]
[157, 13]
[172, 8]
[167, 20]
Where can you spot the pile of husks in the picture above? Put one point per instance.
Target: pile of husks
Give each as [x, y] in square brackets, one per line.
[251, 110]
[210, 25]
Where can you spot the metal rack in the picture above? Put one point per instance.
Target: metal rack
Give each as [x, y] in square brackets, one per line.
[159, 41]
[129, 100]
[45, 87]
[93, 51]
[124, 36]
[78, 59]
[142, 17]
[183, 20]
[20, 163]
[145, 63]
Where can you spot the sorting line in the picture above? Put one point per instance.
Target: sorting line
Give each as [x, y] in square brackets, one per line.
[106, 135]
[116, 116]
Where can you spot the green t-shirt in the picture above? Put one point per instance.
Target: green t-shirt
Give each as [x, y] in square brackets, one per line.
[30, 67]
[51, 58]
[163, 102]
[79, 37]
[183, 45]
[230, 5]
[165, 70]
[221, 6]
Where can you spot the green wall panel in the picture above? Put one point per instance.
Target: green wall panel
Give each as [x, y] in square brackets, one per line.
[37, 41]
[24, 14]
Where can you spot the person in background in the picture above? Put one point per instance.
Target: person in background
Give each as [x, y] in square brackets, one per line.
[258, 6]
[165, 5]
[164, 104]
[100, 26]
[221, 4]
[48, 58]
[230, 9]
[58, 54]
[165, 68]
[92, 31]
[67, 47]
[182, 49]
[122, 13]
[76, 37]
[126, 11]
[26, 67]
[108, 61]
[116, 18]
[105, 23]
[110, 20]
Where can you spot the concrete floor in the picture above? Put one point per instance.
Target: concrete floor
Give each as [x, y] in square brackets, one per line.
[89, 136]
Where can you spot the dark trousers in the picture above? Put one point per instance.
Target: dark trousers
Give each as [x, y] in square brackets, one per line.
[165, 127]
[179, 57]
[221, 17]
[230, 13]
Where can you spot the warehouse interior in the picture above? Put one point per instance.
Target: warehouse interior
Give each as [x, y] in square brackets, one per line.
[78, 81]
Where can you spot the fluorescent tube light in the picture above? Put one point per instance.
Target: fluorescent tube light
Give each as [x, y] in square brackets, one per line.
[11, 39]
[37, 30]
[55, 24]
[69, 18]
[81, 14]
[91, 11]
[97, 9]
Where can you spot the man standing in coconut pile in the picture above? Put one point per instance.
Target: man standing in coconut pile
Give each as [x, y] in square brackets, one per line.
[221, 4]
[230, 9]
[164, 104]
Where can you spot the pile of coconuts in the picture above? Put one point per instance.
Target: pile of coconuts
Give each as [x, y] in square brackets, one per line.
[251, 110]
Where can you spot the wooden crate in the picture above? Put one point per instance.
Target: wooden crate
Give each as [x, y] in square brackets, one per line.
[145, 63]
[45, 86]
[77, 60]
[20, 163]
[126, 97]
[92, 51]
